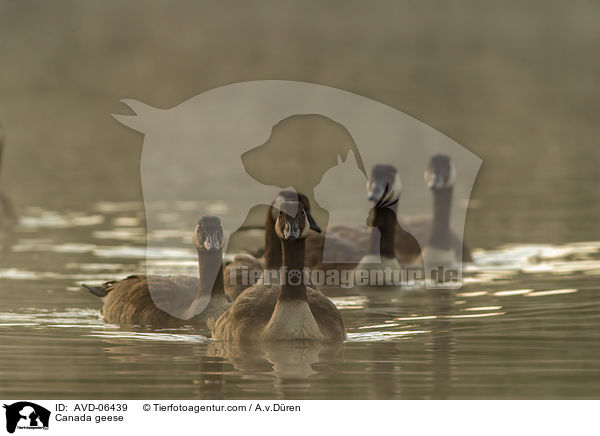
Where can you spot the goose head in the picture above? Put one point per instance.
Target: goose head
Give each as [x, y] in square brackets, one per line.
[291, 196]
[440, 172]
[292, 222]
[384, 186]
[208, 235]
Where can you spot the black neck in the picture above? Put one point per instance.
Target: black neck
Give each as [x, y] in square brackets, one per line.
[384, 220]
[293, 260]
[440, 236]
[272, 244]
[211, 272]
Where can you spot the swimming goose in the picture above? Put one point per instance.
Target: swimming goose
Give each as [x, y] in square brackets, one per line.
[290, 311]
[381, 253]
[197, 302]
[383, 188]
[443, 246]
[271, 260]
[385, 185]
[7, 212]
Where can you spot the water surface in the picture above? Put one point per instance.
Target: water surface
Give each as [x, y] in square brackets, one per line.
[524, 325]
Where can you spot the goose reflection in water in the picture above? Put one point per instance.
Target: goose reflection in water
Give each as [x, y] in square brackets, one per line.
[285, 359]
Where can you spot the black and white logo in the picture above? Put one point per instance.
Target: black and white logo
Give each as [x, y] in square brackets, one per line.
[26, 415]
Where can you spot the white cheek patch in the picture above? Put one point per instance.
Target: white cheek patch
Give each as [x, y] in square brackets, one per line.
[306, 229]
[277, 229]
[429, 177]
[195, 240]
[396, 187]
[452, 175]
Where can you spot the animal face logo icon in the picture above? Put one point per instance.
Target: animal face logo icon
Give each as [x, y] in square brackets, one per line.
[227, 150]
[26, 415]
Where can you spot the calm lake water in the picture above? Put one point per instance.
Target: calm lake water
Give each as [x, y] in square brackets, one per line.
[524, 325]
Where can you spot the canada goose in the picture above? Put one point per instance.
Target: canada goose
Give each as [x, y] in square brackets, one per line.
[290, 311]
[7, 212]
[383, 191]
[271, 260]
[381, 252]
[385, 182]
[197, 302]
[442, 246]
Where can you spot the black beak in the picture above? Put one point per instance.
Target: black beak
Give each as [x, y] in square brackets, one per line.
[312, 222]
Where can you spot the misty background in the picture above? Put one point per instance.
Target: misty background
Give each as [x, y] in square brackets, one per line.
[516, 83]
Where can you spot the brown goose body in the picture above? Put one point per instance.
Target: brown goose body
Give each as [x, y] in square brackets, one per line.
[176, 300]
[288, 311]
[352, 242]
[246, 320]
[129, 302]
